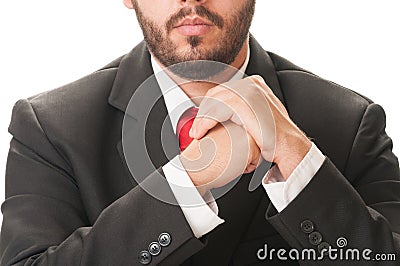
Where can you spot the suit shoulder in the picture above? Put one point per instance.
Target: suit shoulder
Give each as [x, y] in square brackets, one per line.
[79, 107]
[88, 90]
[296, 80]
[282, 64]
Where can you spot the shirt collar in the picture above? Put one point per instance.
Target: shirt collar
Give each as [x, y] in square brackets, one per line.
[175, 99]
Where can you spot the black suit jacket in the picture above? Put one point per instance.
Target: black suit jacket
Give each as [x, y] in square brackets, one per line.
[71, 199]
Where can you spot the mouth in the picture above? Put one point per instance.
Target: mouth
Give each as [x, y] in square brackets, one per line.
[193, 26]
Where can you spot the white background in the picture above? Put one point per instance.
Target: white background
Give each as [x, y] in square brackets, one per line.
[46, 43]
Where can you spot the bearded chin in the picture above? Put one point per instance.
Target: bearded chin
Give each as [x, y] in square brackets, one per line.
[194, 63]
[198, 70]
[194, 41]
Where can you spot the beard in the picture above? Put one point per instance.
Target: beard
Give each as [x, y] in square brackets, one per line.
[195, 62]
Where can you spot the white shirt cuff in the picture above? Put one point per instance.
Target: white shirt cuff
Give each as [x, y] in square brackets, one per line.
[202, 217]
[282, 192]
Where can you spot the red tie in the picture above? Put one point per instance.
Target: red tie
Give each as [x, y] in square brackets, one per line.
[184, 125]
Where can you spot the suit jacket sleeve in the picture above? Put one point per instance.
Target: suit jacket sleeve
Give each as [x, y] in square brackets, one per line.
[365, 209]
[45, 221]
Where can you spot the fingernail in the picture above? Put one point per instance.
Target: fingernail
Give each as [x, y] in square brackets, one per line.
[191, 133]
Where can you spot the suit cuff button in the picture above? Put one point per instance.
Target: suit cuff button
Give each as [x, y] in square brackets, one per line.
[154, 248]
[315, 238]
[144, 257]
[164, 239]
[324, 247]
[307, 226]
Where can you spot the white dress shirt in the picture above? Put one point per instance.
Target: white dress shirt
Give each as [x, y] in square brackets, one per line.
[200, 212]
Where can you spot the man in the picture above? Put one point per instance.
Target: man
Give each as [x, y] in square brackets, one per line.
[89, 182]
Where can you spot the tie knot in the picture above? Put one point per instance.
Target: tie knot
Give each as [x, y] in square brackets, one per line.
[184, 125]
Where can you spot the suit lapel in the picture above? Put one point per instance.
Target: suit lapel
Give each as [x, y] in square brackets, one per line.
[133, 70]
[149, 112]
[146, 123]
[260, 63]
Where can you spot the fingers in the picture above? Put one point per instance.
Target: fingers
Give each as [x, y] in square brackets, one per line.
[202, 126]
[249, 103]
[239, 104]
[212, 110]
[269, 94]
[278, 104]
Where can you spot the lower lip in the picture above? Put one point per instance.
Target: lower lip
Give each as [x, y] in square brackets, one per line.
[193, 30]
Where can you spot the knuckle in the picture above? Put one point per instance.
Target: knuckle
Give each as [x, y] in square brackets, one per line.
[216, 89]
[257, 78]
[252, 99]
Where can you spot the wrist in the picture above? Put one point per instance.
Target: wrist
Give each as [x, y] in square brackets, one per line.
[190, 159]
[291, 151]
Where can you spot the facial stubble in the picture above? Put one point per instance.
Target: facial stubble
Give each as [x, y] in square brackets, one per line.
[190, 63]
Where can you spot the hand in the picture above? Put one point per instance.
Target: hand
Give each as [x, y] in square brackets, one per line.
[219, 157]
[251, 103]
